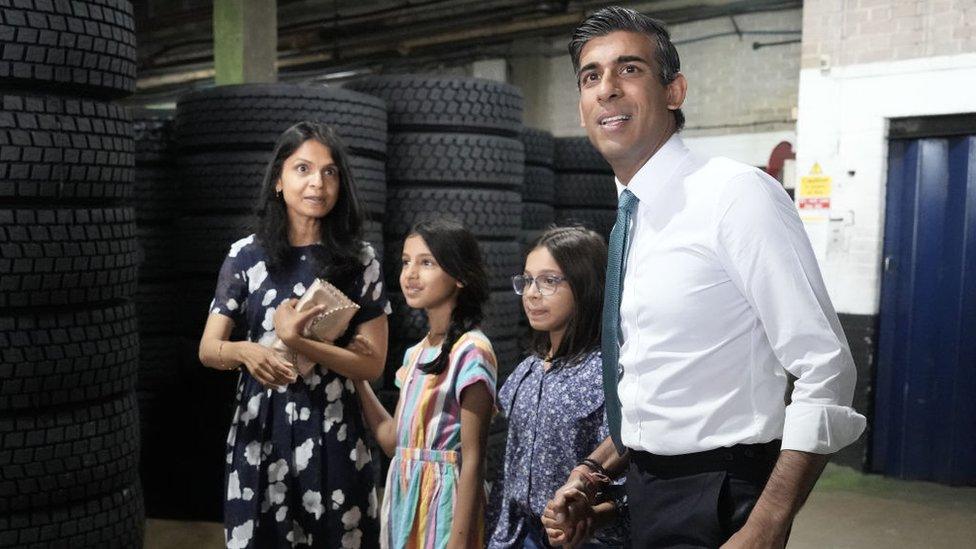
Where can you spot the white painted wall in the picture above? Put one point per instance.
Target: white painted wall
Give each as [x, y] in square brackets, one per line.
[842, 125]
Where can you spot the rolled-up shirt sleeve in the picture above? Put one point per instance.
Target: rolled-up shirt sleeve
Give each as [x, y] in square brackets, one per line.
[767, 254]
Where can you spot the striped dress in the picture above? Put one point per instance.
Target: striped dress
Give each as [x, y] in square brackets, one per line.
[422, 483]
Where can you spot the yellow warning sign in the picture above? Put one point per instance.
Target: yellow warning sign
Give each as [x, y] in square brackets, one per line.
[814, 190]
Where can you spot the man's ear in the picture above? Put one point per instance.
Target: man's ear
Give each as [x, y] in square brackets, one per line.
[677, 90]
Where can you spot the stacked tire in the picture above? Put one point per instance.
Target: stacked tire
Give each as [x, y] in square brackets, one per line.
[540, 191]
[585, 191]
[69, 427]
[225, 137]
[156, 203]
[454, 150]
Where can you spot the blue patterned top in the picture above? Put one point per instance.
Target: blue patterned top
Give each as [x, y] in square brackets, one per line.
[556, 419]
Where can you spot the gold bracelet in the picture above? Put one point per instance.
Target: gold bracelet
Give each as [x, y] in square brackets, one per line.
[220, 357]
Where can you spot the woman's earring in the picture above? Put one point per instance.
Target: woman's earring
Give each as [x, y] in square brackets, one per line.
[278, 194]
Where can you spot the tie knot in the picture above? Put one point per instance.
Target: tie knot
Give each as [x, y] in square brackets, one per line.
[627, 201]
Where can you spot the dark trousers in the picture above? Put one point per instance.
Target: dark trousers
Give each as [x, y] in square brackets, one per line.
[695, 500]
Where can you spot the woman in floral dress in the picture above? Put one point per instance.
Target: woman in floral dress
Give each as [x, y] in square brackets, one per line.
[298, 471]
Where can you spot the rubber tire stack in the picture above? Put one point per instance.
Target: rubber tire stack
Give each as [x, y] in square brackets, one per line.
[585, 191]
[157, 302]
[454, 151]
[225, 137]
[69, 428]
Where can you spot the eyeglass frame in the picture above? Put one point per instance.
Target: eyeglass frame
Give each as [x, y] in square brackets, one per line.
[528, 281]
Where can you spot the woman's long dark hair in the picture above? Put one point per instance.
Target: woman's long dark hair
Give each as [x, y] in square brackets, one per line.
[458, 254]
[582, 256]
[340, 230]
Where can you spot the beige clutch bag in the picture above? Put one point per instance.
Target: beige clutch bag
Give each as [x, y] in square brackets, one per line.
[326, 326]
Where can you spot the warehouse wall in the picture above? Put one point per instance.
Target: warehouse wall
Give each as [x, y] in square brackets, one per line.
[741, 100]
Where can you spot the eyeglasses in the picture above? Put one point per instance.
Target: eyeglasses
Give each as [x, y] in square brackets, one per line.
[546, 284]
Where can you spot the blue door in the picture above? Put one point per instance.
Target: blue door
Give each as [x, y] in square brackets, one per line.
[925, 390]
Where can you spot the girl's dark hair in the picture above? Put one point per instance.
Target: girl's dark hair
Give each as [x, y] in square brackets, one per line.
[582, 256]
[458, 254]
[341, 229]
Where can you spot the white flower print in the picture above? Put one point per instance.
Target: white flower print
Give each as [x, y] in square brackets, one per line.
[267, 339]
[235, 248]
[231, 304]
[297, 535]
[253, 453]
[247, 494]
[352, 539]
[290, 412]
[371, 509]
[281, 513]
[366, 254]
[304, 414]
[314, 380]
[268, 322]
[269, 297]
[350, 386]
[370, 275]
[253, 407]
[304, 453]
[312, 502]
[360, 454]
[233, 486]
[256, 276]
[350, 519]
[377, 290]
[333, 414]
[274, 495]
[241, 535]
[333, 390]
[277, 471]
[338, 498]
[299, 289]
[341, 433]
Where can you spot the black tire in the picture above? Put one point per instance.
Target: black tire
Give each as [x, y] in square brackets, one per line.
[600, 221]
[487, 213]
[157, 303]
[526, 239]
[48, 458]
[66, 256]
[501, 317]
[508, 354]
[157, 252]
[66, 357]
[540, 147]
[230, 182]
[206, 239]
[111, 521]
[454, 159]
[373, 235]
[537, 217]
[153, 131]
[155, 197]
[433, 103]
[159, 363]
[64, 148]
[576, 154]
[86, 47]
[585, 190]
[539, 185]
[252, 116]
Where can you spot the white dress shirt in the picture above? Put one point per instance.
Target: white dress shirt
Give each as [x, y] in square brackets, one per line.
[721, 293]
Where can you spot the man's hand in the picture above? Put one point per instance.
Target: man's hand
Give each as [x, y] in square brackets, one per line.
[568, 512]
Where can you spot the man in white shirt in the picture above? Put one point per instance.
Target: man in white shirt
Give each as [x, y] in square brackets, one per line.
[715, 295]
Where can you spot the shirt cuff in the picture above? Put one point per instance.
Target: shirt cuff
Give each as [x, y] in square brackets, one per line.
[821, 428]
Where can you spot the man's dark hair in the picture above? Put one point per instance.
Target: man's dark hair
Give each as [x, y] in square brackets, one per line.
[615, 18]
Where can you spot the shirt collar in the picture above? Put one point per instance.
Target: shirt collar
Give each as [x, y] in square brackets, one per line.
[652, 176]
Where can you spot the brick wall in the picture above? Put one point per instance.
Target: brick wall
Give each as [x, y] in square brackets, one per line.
[852, 32]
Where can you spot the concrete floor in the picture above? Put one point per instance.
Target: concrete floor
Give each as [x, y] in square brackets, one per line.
[847, 510]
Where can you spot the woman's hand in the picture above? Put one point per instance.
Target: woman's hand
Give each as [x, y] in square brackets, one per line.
[265, 365]
[361, 345]
[289, 323]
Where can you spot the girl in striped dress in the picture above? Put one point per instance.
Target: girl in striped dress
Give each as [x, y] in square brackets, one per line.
[435, 491]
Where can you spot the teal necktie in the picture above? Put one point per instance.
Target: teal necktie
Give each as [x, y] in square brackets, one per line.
[611, 313]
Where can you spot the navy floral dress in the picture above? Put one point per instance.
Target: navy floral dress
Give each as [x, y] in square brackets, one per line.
[299, 473]
[556, 418]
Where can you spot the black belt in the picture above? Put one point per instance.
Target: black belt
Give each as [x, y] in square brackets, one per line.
[743, 459]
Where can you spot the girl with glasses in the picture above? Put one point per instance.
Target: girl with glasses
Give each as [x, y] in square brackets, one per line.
[554, 398]
[435, 489]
